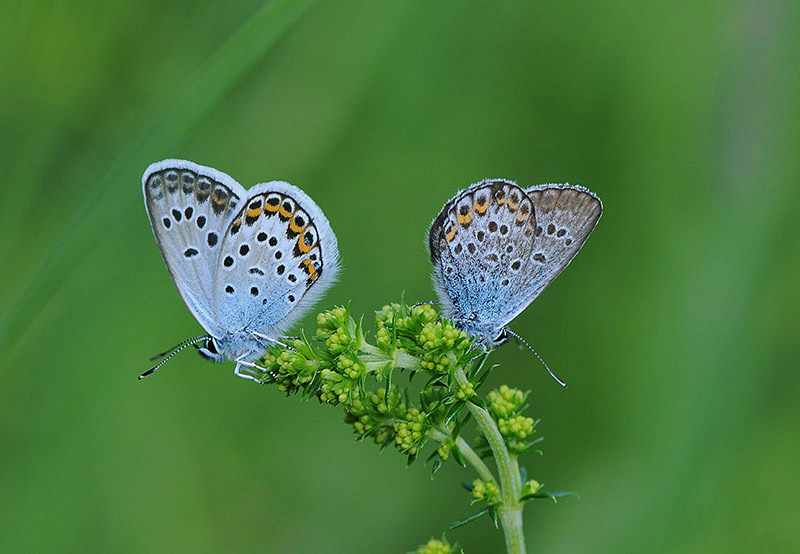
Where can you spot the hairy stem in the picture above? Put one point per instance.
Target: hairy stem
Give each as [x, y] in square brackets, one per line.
[510, 487]
[472, 457]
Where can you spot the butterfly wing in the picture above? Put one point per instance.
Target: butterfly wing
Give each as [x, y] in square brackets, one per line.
[479, 244]
[565, 217]
[277, 257]
[189, 207]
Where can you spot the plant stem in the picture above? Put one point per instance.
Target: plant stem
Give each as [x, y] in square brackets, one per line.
[472, 457]
[510, 509]
[469, 454]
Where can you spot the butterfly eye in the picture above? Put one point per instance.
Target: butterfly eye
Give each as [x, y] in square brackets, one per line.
[211, 346]
[501, 338]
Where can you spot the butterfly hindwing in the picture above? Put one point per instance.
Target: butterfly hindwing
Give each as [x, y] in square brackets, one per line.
[189, 207]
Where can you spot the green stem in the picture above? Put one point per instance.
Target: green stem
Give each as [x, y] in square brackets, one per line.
[469, 454]
[510, 510]
[472, 457]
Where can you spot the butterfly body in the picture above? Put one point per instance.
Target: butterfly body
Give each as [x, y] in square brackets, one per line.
[247, 263]
[495, 246]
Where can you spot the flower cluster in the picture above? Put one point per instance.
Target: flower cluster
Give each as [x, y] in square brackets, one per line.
[436, 546]
[343, 368]
[505, 406]
[373, 385]
[419, 331]
[485, 490]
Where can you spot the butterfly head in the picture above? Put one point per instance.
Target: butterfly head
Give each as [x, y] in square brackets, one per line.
[500, 337]
[210, 350]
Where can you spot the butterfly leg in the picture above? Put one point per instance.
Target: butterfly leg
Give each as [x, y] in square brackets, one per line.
[275, 341]
[249, 370]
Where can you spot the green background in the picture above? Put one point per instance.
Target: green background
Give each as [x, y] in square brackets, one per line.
[676, 327]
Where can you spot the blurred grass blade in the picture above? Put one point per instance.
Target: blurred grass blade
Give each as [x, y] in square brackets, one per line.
[191, 103]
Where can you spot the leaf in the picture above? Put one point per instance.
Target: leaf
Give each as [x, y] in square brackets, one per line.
[437, 465]
[554, 496]
[468, 519]
[495, 516]
[478, 401]
[467, 485]
[458, 456]
[388, 375]
[485, 375]
[457, 427]
[454, 410]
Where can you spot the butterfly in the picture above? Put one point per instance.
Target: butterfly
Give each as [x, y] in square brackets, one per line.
[247, 263]
[496, 246]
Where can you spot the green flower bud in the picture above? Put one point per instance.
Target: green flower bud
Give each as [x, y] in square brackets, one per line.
[531, 487]
[411, 431]
[517, 427]
[467, 390]
[505, 401]
[435, 546]
[444, 449]
[485, 490]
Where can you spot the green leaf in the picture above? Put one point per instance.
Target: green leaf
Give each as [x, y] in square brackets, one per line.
[437, 464]
[480, 360]
[554, 496]
[478, 401]
[482, 378]
[495, 516]
[458, 456]
[454, 410]
[468, 519]
[387, 371]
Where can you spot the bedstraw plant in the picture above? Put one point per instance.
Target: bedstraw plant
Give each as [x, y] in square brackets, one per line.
[426, 415]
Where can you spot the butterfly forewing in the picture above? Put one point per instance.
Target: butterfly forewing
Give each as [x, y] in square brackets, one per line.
[480, 244]
[189, 207]
[278, 254]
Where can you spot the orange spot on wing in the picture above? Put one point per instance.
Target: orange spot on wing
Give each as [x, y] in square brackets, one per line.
[465, 219]
[253, 212]
[481, 208]
[302, 246]
[295, 227]
[283, 211]
[272, 207]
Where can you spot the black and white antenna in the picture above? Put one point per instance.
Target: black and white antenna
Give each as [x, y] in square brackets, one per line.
[547, 367]
[171, 352]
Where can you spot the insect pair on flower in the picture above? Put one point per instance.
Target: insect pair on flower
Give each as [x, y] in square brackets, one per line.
[249, 263]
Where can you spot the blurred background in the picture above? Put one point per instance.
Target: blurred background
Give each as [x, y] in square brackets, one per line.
[676, 327]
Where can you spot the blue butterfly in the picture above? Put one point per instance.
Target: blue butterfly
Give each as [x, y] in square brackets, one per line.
[495, 247]
[248, 264]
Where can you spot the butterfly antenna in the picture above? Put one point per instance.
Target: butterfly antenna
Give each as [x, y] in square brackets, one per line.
[547, 367]
[185, 342]
[177, 348]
